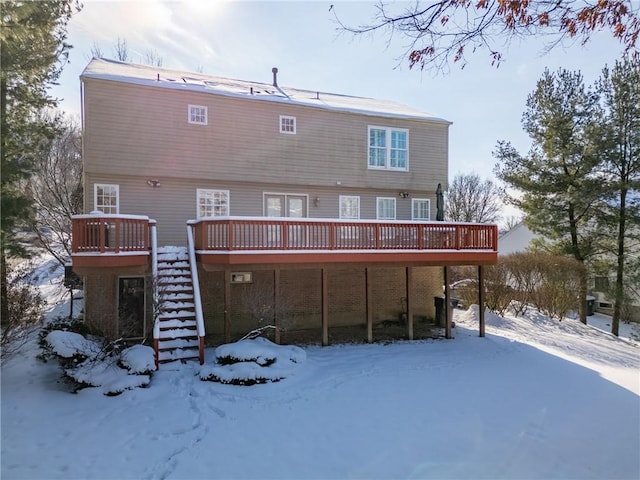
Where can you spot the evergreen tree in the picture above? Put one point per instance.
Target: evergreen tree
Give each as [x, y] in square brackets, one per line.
[557, 178]
[33, 51]
[619, 142]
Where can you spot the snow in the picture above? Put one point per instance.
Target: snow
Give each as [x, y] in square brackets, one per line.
[535, 398]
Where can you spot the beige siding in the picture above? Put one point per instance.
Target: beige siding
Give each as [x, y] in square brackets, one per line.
[173, 203]
[138, 130]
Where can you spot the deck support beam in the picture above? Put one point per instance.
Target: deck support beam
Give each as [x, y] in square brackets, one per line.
[276, 304]
[369, 305]
[325, 308]
[481, 298]
[227, 306]
[447, 305]
[409, 295]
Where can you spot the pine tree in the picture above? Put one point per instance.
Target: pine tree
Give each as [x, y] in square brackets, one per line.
[619, 142]
[33, 51]
[557, 178]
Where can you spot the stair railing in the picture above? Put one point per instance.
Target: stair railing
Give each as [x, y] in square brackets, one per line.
[196, 290]
[155, 292]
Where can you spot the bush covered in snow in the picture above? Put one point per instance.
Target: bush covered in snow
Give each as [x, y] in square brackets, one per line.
[93, 362]
[253, 361]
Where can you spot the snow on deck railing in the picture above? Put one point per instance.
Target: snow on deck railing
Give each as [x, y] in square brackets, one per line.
[197, 299]
[106, 233]
[304, 234]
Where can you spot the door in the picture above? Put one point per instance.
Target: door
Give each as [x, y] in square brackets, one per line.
[131, 294]
[281, 205]
[284, 205]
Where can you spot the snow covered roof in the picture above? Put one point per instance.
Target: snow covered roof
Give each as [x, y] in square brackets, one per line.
[164, 78]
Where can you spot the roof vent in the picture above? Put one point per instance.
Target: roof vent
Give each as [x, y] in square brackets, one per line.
[274, 70]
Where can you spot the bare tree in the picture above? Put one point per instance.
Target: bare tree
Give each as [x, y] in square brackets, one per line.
[151, 57]
[96, 51]
[436, 32]
[121, 50]
[470, 199]
[56, 189]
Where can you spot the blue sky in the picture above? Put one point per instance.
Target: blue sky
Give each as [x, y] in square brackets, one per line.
[244, 40]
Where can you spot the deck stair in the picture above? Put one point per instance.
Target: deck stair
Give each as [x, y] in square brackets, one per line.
[177, 336]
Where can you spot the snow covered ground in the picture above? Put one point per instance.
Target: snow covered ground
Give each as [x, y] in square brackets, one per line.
[535, 398]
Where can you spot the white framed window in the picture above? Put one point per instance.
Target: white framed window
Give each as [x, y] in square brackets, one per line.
[388, 148]
[386, 208]
[420, 209]
[287, 124]
[106, 198]
[212, 203]
[198, 114]
[349, 206]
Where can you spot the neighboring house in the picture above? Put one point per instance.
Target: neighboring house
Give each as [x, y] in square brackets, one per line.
[517, 239]
[308, 207]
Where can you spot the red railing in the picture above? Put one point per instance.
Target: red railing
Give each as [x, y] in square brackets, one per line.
[99, 233]
[237, 233]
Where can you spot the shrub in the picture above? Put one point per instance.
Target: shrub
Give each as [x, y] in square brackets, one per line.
[25, 312]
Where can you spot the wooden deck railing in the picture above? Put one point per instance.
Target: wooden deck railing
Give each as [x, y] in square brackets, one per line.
[237, 234]
[100, 233]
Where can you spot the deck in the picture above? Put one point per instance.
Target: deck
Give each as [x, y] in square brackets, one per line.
[125, 240]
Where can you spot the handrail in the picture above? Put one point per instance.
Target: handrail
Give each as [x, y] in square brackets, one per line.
[154, 284]
[197, 300]
[267, 233]
[99, 233]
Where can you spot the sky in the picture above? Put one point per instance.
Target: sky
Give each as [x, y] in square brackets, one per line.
[245, 39]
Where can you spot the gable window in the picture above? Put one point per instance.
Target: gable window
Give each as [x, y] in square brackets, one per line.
[388, 148]
[106, 198]
[287, 124]
[212, 203]
[386, 208]
[420, 208]
[197, 114]
[349, 206]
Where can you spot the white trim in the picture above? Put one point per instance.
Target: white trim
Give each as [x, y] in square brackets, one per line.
[413, 202]
[378, 208]
[387, 159]
[204, 111]
[288, 117]
[115, 187]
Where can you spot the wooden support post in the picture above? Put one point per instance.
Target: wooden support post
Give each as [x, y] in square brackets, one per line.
[481, 298]
[276, 303]
[409, 290]
[227, 306]
[447, 305]
[325, 308]
[369, 306]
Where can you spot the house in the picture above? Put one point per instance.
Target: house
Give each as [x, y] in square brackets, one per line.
[215, 205]
[516, 239]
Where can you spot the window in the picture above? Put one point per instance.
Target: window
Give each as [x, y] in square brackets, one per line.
[386, 208]
[197, 114]
[349, 206]
[106, 198]
[213, 203]
[420, 208]
[287, 124]
[388, 148]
